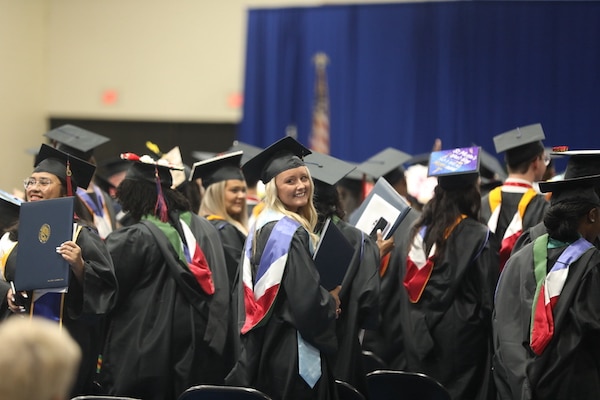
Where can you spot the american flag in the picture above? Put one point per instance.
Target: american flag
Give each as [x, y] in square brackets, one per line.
[319, 137]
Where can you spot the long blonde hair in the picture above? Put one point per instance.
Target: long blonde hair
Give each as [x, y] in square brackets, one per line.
[306, 215]
[213, 203]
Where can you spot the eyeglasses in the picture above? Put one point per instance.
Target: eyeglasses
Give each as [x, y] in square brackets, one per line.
[42, 182]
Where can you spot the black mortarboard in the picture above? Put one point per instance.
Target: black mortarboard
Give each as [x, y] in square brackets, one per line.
[220, 168]
[286, 153]
[203, 155]
[76, 141]
[580, 163]
[327, 169]
[582, 188]
[249, 150]
[54, 161]
[10, 202]
[455, 168]
[520, 144]
[489, 167]
[388, 164]
[145, 168]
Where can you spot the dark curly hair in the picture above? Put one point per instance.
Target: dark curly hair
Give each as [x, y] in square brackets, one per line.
[562, 219]
[139, 198]
[442, 211]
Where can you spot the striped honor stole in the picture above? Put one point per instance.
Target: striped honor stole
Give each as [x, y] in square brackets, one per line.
[515, 227]
[419, 266]
[549, 287]
[98, 210]
[260, 293]
[188, 250]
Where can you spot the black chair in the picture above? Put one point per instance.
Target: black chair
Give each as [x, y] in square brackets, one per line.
[347, 392]
[215, 392]
[372, 362]
[395, 385]
[99, 397]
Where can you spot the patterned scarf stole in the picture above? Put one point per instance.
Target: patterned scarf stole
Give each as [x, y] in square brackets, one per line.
[549, 288]
[187, 249]
[418, 266]
[515, 227]
[98, 210]
[50, 304]
[260, 292]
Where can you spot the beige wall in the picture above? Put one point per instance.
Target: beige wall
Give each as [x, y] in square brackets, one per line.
[167, 60]
[22, 86]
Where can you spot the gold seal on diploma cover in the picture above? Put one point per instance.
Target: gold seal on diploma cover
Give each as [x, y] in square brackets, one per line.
[44, 233]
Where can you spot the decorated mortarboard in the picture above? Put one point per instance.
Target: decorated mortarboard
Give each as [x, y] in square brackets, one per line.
[10, 202]
[286, 153]
[384, 163]
[72, 171]
[327, 169]
[217, 169]
[76, 141]
[520, 144]
[455, 168]
[146, 169]
[178, 176]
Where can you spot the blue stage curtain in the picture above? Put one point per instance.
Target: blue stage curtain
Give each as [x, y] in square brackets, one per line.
[404, 74]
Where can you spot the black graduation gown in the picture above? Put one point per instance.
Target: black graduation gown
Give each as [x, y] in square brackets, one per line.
[359, 298]
[269, 357]
[386, 341]
[533, 233]
[568, 368]
[165, 334]
[534, 214]
[85, 305]
[447, 333]
[233, 247]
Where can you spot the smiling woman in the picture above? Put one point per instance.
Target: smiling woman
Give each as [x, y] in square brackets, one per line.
[224, 204]
[287, 319]
[92, 286]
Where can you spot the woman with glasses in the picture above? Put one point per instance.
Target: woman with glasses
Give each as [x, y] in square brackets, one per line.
[92, 284]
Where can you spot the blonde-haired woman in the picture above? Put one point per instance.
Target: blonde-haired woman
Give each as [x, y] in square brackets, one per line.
[286, 319]
[224, 204]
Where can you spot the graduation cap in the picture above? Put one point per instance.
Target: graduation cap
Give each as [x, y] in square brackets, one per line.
[388, 164]
[327, 169]
[582, 188]
[249, 150]
[10, 202]
[76, 141]
[157, 172]
[68, 168]
[217, 169]
[521, 144]
[490, 167]
[146, 169]
[580, 163]
[286, 153]
[455, 168]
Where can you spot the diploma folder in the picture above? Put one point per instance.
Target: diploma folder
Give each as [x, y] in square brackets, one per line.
[382, 209]
[332, 256]
[43, 226]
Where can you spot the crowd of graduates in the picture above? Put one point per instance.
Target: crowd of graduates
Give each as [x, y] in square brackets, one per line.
[183, 276]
